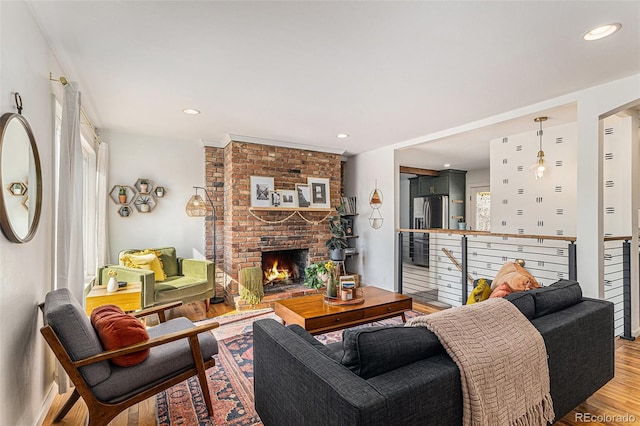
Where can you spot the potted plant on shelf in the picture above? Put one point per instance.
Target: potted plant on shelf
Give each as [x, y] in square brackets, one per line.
[462, 225]
[144, 186]
[122, 195]
[144, 203]
[338, 240]
[316, 275]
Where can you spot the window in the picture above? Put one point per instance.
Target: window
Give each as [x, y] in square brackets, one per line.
[483, 211]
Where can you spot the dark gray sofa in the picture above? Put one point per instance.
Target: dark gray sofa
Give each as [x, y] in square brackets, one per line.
[403, 376]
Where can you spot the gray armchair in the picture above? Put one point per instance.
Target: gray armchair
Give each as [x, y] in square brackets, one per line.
[188, 280]
[178, 350]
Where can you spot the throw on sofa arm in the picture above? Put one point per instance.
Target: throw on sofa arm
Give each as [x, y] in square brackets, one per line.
[202, 269]
[144, 276]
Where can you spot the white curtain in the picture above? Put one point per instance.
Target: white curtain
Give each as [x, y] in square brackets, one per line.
[69, 257]
[102, 240]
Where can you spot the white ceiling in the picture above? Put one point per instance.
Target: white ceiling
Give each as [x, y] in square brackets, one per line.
[470, 150]
[302, 72]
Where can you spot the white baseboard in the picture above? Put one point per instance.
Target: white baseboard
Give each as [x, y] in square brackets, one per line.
[44, 410]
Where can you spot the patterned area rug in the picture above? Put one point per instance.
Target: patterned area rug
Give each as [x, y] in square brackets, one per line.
[231, 379]
[241, 323]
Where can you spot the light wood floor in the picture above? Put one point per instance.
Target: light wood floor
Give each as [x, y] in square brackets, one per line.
[620, 397]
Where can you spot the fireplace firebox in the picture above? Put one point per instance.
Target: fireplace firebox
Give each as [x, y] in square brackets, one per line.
[284, 267]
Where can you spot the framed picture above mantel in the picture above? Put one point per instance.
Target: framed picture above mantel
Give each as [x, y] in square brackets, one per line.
[259, 187]
[314, 195]
[303, 194]
[320, 193]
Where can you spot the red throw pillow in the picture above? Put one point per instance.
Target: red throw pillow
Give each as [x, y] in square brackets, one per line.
[116, 330]
[501, 291]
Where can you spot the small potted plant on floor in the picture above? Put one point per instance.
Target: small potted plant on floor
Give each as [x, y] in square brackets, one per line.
[338, 240]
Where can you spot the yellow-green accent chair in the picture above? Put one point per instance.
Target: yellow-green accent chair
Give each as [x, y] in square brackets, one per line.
[188, 280]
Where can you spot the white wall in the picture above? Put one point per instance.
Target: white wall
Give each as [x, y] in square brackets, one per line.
[616, 170]
[519, 203]
[376, 260]
[26, 270]
[177, 165]
[512, 212]
[478, 177]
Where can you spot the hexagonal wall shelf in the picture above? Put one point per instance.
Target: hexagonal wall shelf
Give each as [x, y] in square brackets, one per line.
[143, 200]
[144, 186]
[17, 188]
[129, 194]
[125, 211]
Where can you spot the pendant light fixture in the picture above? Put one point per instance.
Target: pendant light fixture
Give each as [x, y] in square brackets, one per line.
[539, 169]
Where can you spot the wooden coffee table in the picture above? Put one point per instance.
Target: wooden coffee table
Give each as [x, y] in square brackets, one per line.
[316, 316]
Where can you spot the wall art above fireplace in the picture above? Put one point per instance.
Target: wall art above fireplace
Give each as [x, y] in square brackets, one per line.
[259, 190]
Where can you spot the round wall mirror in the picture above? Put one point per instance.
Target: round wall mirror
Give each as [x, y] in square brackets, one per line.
[20, 179]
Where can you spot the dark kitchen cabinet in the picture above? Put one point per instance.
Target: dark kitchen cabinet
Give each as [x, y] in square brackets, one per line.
[451, 183]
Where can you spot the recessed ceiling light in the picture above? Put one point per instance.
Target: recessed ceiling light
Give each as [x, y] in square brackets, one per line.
[191, 111]
[447, 165]
[602, 31]
[342, 135]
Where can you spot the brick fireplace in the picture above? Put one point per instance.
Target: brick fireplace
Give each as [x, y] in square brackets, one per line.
[244, 235]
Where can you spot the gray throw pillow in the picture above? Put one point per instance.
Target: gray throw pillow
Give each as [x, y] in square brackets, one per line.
[556, 297]
[371, 351]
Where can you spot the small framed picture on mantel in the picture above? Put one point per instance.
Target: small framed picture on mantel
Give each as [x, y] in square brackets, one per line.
[275, 198]
[303, 194]
[288, 198]
[320, 194]
[259, 187]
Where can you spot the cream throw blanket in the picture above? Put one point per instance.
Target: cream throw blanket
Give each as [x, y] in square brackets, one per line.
[502, 360]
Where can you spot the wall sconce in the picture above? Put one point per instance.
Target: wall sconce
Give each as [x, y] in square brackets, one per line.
[539, 168]
[375, 201]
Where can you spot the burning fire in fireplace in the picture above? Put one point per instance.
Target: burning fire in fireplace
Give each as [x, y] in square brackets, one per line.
[274, 274]
[284, 267]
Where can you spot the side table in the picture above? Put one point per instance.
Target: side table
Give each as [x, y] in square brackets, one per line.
[128, 298]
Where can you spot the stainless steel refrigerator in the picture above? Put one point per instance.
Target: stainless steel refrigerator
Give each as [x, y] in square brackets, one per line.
[428, 213]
